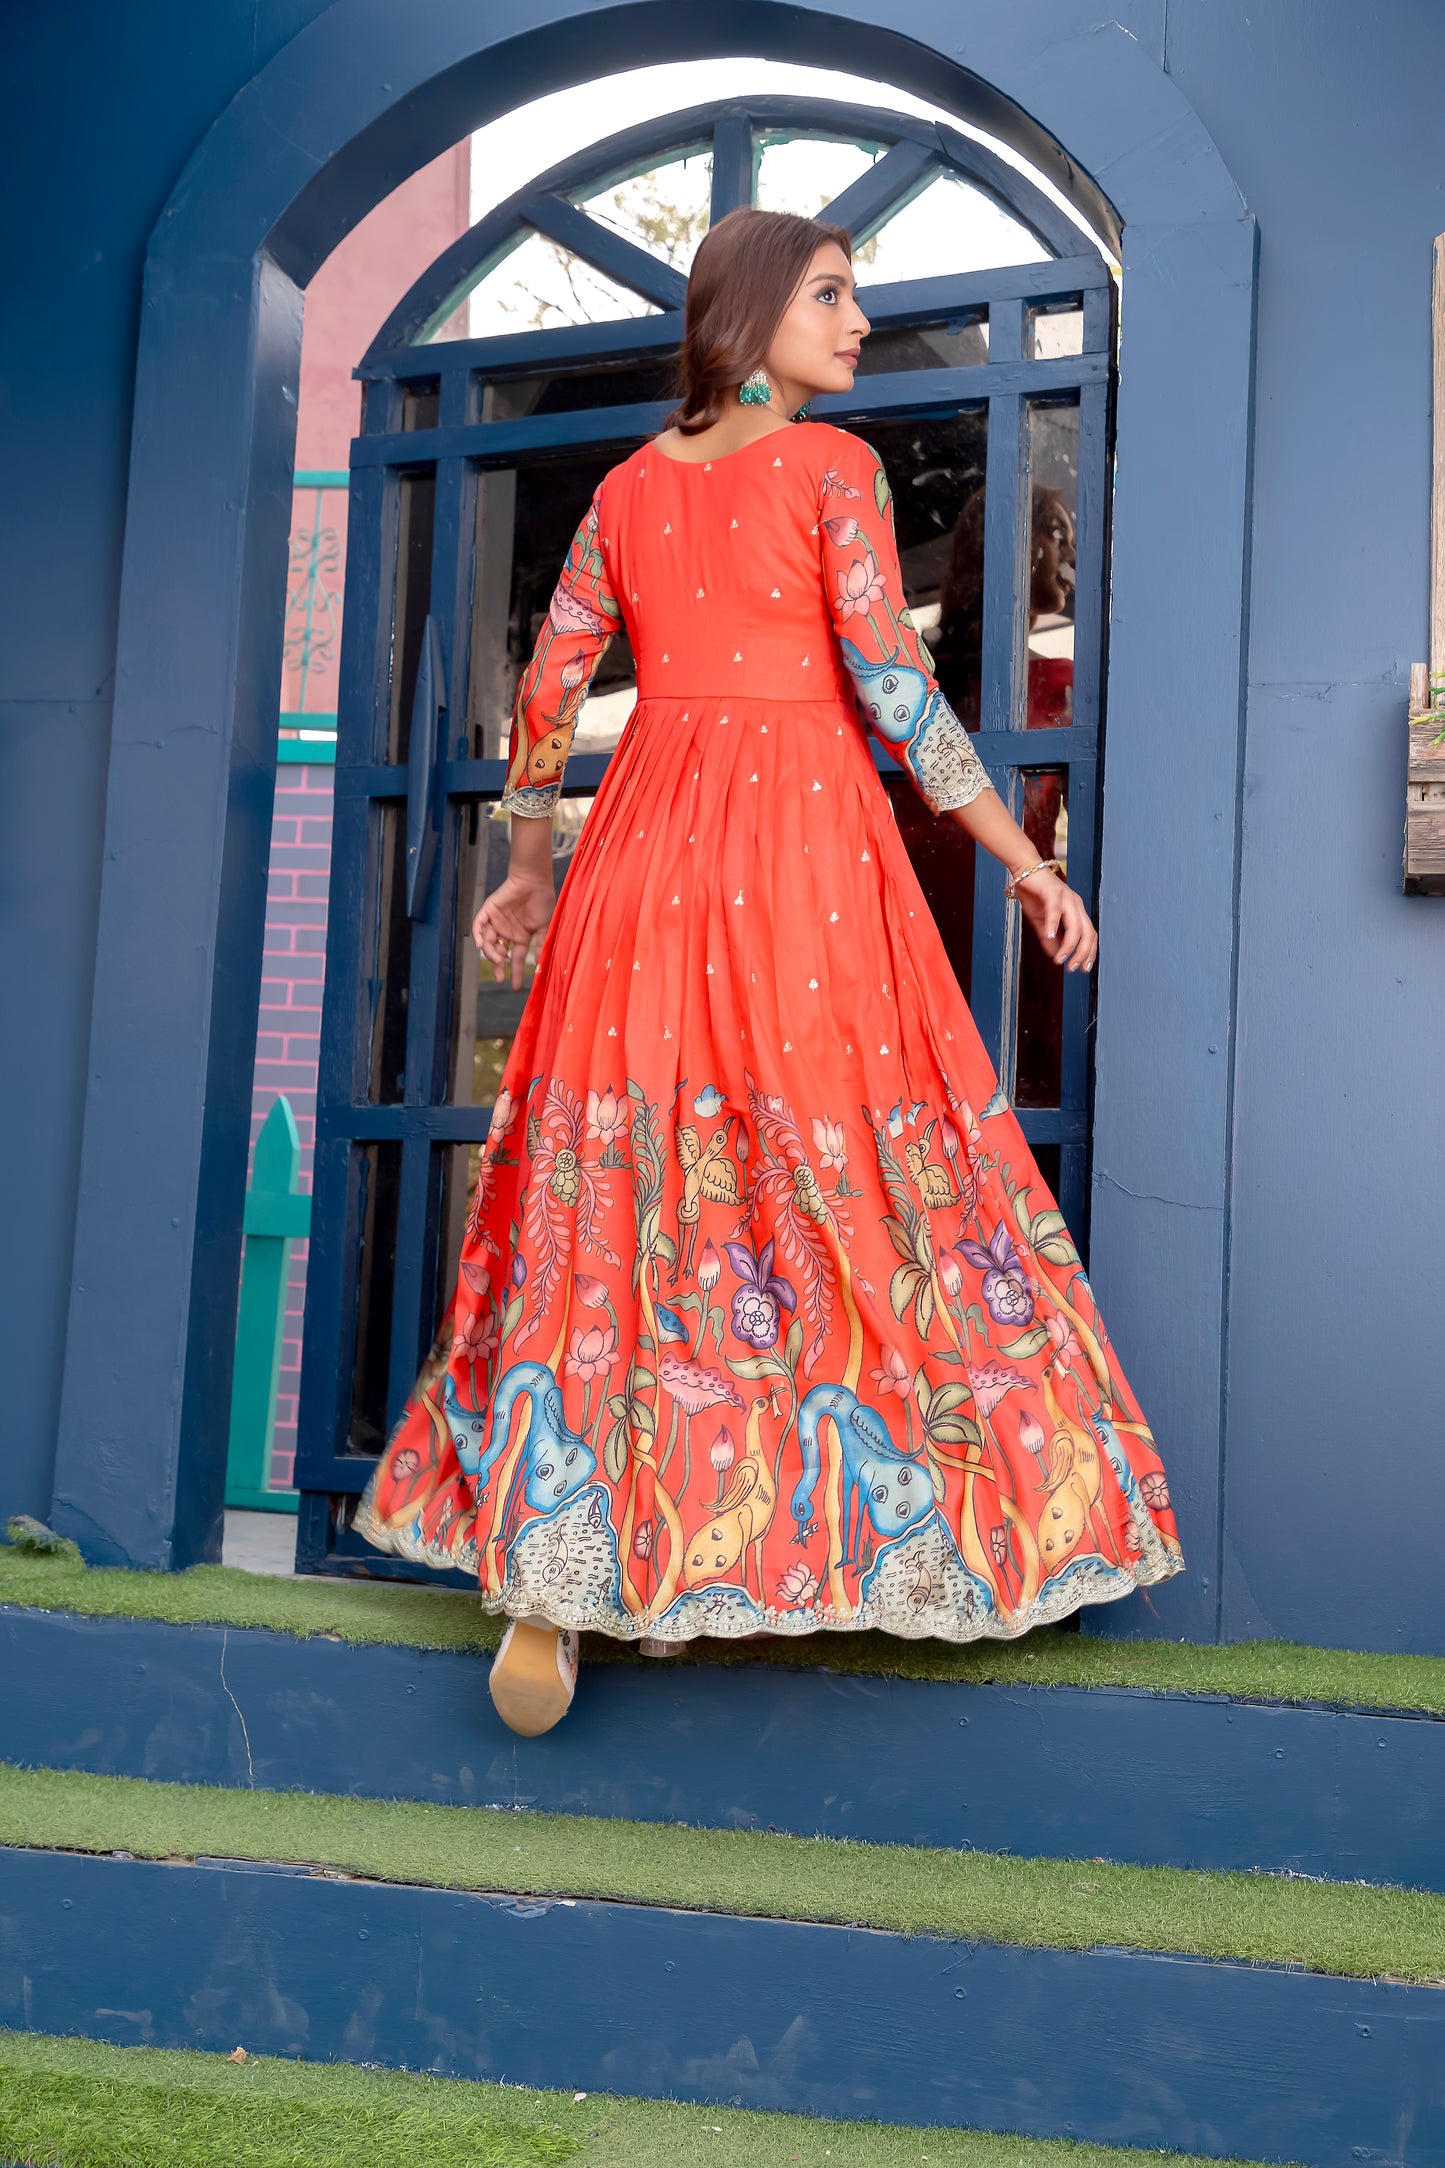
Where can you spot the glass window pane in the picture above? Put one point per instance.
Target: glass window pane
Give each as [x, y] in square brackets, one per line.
[1051, 333]
[926, 346]
[416, 519]
[376, 1170]
[1053, 504]
[391, 980]
[421, 404]
[1038, 1060]
[936, 470]
[540, 285]
[524, 531]
[804, 173]
[603, 384]
[949, 227]
[664, 210]
[486, 1012]
[459, 1164]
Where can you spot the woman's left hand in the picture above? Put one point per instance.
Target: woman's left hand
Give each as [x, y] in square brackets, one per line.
[1060, 920]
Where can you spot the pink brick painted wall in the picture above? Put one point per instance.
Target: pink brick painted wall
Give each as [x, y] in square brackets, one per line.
[350, 296]
[289, 1027]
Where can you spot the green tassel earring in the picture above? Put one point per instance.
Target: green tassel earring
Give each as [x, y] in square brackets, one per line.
[755, 390]
[802, 413]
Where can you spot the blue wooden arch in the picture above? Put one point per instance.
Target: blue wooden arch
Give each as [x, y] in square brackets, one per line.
[348, 109]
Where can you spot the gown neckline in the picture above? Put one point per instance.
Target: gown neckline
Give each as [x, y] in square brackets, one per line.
[721, 457]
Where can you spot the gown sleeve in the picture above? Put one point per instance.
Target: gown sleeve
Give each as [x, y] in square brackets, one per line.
[581, 620]
[892, 671]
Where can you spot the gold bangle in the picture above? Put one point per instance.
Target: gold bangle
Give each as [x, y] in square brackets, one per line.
[1051, 865]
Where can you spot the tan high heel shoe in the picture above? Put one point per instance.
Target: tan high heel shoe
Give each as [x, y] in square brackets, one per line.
[534, 1675]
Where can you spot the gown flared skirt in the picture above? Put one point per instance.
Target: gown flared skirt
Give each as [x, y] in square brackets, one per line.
[765, 1319]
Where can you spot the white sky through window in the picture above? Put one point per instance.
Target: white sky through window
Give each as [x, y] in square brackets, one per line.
[517, 146]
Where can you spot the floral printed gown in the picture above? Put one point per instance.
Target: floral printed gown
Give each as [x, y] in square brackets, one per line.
[765, 1320]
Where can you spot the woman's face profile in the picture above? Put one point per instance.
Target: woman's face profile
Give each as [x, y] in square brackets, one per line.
[817, 342]
[1052, 555]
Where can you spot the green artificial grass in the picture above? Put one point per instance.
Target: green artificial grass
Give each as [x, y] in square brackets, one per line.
[82, 2104]
[440, 1618]
[1350, 1928]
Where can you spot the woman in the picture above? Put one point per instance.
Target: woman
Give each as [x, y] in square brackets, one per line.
[765, 1321]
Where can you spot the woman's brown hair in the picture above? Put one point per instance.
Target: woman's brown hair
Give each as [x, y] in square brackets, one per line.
[747, 269]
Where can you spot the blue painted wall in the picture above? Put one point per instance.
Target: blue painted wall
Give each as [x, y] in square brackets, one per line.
[1326, 116]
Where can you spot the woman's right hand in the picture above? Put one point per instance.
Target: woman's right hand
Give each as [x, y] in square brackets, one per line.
[511, 915]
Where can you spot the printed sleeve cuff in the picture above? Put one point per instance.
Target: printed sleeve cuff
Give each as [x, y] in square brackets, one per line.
[531, 802]
[973, 787]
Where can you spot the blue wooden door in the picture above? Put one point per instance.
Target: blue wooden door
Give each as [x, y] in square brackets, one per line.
[985, 388]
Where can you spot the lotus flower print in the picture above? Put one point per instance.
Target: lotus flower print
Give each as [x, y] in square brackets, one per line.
[893, 1376]
[860, 587]
[593, 1352]
[606, 1116]
[831, 1141]
[796, 1585]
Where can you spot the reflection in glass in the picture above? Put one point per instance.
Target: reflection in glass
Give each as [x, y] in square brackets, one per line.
[1051, 333]
[1053, 459]
[1038, 1059]
[937, 471]
[805, 173]
[391, 980]
[539, 285]
[376, 1169]
[486, 1013]
[950, 227]
[413, 599]
[664, 210]
[962, 345]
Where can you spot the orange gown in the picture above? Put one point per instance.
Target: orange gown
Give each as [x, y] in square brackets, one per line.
[765, 1321]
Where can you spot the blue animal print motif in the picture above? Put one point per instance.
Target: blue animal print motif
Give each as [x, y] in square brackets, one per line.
[892, 694]
[893, 1490]
[556, 1461]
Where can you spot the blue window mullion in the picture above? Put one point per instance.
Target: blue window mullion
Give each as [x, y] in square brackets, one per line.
[610, 253]
[891, 182]
[734, 169]
[1091, 530]
[994, 939]
[1079, 985]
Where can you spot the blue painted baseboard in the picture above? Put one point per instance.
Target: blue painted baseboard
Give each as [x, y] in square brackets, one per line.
[1165, 1780]
[1260, 2063]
